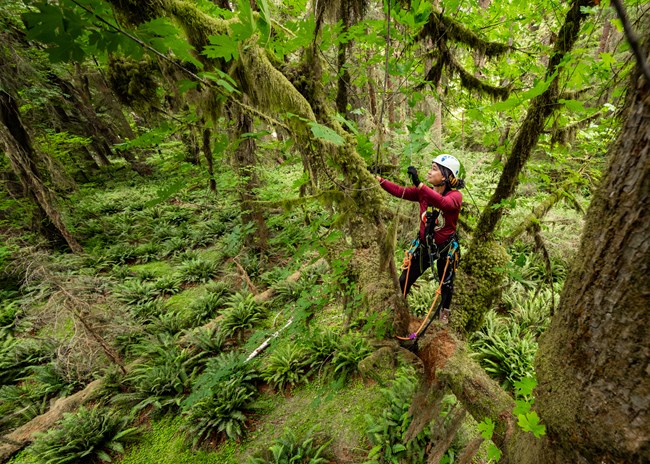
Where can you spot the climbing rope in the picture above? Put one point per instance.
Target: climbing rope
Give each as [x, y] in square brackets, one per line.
[425, 322]
[408, 259]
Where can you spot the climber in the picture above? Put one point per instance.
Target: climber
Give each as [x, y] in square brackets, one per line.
[439, 209]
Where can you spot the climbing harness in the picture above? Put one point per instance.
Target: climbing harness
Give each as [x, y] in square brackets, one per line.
[452, 257]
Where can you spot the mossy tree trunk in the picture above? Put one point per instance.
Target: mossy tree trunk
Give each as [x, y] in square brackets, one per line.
[541, 107]
[206, 147]
[245, 161]
[594, 387]
[482, 269]
[18, 149]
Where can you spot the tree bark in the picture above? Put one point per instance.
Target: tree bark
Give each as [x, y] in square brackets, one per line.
[596, 401]
[246, 164]
[209, 160]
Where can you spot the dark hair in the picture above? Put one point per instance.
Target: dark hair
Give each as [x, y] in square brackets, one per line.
[451, 181]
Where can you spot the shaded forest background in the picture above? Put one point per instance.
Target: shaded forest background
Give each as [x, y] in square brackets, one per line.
[186, 182]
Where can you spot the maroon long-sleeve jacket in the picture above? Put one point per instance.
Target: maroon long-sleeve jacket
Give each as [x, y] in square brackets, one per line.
[448, 203]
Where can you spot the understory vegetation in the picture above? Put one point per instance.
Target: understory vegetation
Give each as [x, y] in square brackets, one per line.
[185, 321]
[191, 231]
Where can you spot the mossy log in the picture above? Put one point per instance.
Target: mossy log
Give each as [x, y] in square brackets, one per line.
[448, 365]
[14, 441]
[23, 435]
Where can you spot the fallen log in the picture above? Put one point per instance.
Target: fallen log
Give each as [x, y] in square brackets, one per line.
[16, 440]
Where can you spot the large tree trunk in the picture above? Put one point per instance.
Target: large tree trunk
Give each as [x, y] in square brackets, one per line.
[18, 149]
[596, 400]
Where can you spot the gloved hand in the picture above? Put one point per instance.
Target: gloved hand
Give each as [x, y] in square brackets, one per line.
[413, 174]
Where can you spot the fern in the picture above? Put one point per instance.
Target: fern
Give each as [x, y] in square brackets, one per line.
[387, 431]
[321, 346]
[162, 378]
[289, 449]
[504, 351]
[221, 398]
[197, 270]
[287, 366]
[222, 412]
[81, 437]
[351, 351]
[242, 313]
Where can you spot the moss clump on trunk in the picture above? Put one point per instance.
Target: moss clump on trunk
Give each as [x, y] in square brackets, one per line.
[477, 285]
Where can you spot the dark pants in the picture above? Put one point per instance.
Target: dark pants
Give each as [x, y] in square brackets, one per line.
[420, 263]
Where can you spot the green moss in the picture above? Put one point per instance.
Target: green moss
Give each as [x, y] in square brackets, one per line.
[340, 414]
[478, 285]
[157, 268]
[185, 298]
[165, 444]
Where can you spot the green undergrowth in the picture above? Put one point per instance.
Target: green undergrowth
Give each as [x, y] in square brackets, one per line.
[339, 414]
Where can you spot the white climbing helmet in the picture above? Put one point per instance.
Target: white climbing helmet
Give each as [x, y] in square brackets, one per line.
[450, 162]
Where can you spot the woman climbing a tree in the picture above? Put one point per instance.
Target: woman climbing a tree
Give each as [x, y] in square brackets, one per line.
[439, 210]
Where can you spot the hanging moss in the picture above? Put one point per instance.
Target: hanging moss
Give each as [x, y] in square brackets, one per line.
[471, 82]
[136, 12]
[477, 285]
[267, 86]
[133, 81]
[441, 28]
[197, 25]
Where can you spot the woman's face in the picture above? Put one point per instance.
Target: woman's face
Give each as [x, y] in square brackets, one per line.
[434, 176]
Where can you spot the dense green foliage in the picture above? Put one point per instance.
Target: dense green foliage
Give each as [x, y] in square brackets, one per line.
[194, 154]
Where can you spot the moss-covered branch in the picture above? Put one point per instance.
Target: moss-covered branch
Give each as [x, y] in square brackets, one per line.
[541, 107]
[442, 28]
[537, 214]
[449, 365]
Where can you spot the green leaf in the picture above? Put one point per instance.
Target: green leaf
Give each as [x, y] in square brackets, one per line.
[103, 455]
[184, 85]
[223, 46]
[539, 88]
[398, 447]
[608, 59]
[222, 80]
[526, 385]
[493, 452]
[246, 26]
[487, 428]
[521, 407]
[325, 133]
[264, 23]
[573, 105]
[508, 104]
[530, 423]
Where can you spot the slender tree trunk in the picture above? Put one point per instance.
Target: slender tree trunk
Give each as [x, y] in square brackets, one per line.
[207, 152]
[344, 76]
[246, 163]
[21, 155]
[540, 109]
